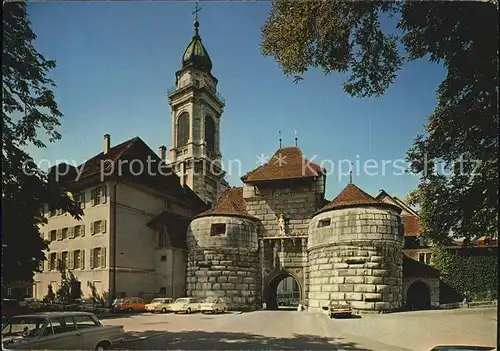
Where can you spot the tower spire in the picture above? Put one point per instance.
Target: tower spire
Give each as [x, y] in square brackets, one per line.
[296, 139]
[195, 13]
[279, 132]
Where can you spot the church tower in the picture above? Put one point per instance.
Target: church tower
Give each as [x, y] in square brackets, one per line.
[197, 109]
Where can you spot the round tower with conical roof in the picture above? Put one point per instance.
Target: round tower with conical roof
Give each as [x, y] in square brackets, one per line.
[355, 253]
[222, 254]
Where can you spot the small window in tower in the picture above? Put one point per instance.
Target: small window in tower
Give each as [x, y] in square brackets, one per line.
[324, 223]
[218, 229]
[183, 129]
[210, 133]
[197, 83]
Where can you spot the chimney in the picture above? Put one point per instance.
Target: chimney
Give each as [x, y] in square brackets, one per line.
[107, 141]
[162, 152]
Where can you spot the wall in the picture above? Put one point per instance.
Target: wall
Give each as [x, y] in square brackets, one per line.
[87, 242]
[171, 273]
[224, 265]
[357, 258]
[136, 242]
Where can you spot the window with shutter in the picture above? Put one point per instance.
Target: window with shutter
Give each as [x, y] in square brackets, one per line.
[103, 257]
[59, 234]
[58, 260]
[92, 228]
[104, 194]
[103, 226]
[92, 251]
[71, 232]
[71, 260]
[82, 258]
[64, 233]
[82, 230]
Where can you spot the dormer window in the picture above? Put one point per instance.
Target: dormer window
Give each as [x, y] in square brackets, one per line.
[218, 229]
[324, 223]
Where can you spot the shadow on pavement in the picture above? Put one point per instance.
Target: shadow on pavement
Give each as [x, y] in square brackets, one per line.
[201, 340]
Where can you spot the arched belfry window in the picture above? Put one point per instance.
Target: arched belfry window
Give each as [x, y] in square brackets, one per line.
[210, 132]
[183, 129]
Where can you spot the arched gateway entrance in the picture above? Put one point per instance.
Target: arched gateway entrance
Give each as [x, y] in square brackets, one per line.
[283, 290]
[418, 296]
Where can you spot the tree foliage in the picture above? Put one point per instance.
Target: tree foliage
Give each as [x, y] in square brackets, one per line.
[28, 107]
[456, 159]
[69, 289]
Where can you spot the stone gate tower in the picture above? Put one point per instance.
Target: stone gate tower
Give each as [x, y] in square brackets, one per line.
[197, 108]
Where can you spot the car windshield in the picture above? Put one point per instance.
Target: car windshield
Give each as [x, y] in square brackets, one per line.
[182, 300]
[118, 301]
[157, 300]
[211, 299]
[23, 326]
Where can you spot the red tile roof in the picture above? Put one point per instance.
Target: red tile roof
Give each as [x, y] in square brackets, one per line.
[411, 225]
[286, 163]
[230, 204]
[353, 196]
[415, 269]
[119, 160]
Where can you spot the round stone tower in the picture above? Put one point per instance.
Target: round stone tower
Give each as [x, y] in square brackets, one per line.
[355, 253]
[222, 254]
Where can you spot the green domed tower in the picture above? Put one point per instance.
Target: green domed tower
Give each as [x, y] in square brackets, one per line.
[195, 55]
[197, 108]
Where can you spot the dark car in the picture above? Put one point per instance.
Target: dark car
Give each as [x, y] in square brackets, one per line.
[462, 348]
[11, 307]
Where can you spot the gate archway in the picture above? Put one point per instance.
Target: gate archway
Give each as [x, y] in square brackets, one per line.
[418, 296]
[283, 289]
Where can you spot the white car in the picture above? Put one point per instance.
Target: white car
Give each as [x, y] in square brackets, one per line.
[186, 305]
[213, 305]
[60, 331]
[153, 305]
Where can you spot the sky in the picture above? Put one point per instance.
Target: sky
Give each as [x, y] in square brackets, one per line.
[116, 61]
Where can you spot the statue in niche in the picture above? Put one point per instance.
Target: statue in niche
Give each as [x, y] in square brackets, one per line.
[281, 224]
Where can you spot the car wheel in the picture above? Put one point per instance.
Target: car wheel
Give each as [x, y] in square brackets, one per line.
[188, 311]
[163, 310]
[130, 310]
[103, 346]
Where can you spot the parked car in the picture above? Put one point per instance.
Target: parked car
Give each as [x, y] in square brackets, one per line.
[161, 304]
[186, 305]
[213, 305]
[88, 305]
[462, 348]
[33, 303]
[129, 304]
[59, 331]
[11, 307]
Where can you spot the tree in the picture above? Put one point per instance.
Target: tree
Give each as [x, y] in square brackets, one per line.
[28, 106]
[69, 290]
[50, 297]
[456, 159]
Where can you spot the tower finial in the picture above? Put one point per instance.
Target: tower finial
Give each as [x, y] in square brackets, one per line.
[195, 13]
[350, 175]
[279, 132]
[296, 140]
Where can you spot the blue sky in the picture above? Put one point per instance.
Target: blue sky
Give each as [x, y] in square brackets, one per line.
[115, 62]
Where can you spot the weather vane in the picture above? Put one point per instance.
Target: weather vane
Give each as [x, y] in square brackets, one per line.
[196, 10]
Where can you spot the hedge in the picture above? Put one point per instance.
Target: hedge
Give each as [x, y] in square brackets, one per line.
[472, 272]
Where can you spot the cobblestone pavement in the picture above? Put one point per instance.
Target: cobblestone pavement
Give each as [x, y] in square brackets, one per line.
[290, 330]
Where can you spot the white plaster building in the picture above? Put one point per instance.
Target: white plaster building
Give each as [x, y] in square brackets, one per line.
[130, 240]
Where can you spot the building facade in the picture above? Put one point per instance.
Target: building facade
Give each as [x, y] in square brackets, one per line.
[119, 246]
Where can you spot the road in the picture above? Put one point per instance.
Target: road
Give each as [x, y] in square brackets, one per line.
[290, 330]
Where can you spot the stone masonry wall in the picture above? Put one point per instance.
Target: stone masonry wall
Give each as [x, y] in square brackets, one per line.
[356, 258]
[297, 203]
[224, 265]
